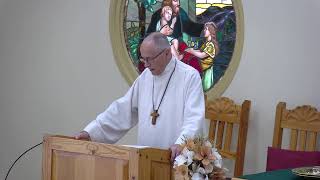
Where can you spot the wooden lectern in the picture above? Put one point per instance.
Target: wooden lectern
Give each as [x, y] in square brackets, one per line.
[65, 158]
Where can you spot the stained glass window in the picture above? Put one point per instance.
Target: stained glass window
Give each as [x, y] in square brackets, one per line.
[216, 43]
[202, 5]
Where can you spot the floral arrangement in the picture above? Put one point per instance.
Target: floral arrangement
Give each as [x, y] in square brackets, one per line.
[197, 160]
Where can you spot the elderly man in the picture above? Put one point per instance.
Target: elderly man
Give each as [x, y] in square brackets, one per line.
[166, 101]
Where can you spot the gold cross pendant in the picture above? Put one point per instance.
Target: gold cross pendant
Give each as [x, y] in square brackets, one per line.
[154, 115]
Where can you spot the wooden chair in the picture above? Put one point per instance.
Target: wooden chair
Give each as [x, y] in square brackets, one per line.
[223, 114]
[304, 121]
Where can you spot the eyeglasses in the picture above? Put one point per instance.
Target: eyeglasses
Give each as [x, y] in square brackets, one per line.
[150, 60]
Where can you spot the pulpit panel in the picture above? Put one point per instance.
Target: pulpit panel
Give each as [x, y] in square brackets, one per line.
[77, 166]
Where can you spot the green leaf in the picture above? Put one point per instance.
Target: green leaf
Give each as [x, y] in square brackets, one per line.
[148, 4]
[149, 8]
[153, 2]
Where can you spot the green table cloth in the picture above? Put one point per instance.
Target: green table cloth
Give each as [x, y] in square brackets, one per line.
[285, 174]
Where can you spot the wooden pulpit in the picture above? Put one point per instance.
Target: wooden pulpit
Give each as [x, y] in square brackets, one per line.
[65, 158]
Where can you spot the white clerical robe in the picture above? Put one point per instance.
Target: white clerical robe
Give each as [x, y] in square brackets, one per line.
[181, 113]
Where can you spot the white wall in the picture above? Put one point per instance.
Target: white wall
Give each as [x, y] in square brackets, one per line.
[57, 71]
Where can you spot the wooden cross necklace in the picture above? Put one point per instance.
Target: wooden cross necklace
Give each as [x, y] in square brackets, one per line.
[155, 113]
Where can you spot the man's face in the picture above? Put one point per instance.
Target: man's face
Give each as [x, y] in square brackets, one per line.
[176, 6]
[155, 60]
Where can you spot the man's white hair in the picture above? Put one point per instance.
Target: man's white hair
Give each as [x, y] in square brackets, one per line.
[157, 40]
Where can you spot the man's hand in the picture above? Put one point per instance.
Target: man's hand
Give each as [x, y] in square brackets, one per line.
[83, 135]
[175, 151]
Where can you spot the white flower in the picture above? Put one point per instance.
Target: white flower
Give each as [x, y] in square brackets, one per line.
[208, 144]
[197, 176]
[218, 161]
[200, 174]
[179, 160]
[188, 155]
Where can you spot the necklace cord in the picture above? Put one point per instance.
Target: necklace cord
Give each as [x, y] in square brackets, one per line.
[164, 89]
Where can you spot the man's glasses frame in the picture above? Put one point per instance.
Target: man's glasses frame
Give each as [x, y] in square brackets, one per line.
[150, 60]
